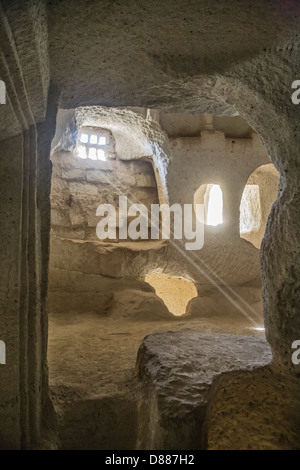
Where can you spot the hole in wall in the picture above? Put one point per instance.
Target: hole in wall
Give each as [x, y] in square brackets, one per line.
[250, 209]
[212, 197]
[176, 292]
[94, 143]
[257, 199]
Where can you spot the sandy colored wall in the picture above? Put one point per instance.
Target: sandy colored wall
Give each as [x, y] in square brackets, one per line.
[79, 186]
[241, 81]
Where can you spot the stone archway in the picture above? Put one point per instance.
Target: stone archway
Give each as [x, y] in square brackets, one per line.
[258, 196]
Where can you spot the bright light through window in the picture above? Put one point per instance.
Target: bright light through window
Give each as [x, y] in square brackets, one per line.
[84, 138]
[101, 155]
[94, 143]
[82, 151]
[215, 205]
[93, 153]
[93, 139]
[250, 210]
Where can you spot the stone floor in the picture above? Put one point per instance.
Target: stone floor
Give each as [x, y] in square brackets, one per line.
[93, 379]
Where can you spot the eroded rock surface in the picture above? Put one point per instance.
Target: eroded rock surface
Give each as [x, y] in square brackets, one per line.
[254, 410]
[177, 370]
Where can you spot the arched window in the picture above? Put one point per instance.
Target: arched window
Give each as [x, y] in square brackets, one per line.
[250, 209]
[212, 197]
[258, 196]
[215, 205]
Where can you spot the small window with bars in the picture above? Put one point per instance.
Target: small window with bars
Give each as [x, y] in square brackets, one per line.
[94, 143]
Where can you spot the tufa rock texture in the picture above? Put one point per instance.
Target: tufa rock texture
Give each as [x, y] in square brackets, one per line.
[176, 372]
[192, 58]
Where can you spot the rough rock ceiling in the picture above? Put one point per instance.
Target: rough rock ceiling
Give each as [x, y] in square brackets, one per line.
[121, 52]
[173, 55]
